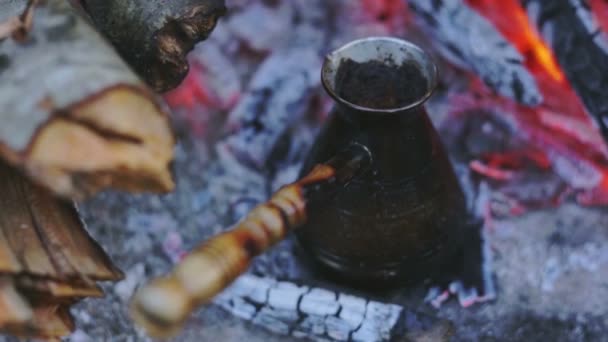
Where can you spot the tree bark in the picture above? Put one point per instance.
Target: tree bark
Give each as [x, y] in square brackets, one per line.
[47, 259]
[74, 116]
[154, 36]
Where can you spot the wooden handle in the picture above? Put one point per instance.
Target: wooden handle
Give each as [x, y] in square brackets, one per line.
[163, 305]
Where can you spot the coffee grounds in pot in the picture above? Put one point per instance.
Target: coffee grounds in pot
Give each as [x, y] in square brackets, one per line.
[380, 84]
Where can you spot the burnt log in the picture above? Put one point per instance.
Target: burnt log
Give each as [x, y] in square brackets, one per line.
[47, 259]
[581, 49]
[279, 94]
[154, 36]
[468, 40]
[74, 117]
[290, 309]
[281, 90]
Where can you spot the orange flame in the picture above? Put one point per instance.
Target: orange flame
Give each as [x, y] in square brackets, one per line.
[561, 124]
[512, 21]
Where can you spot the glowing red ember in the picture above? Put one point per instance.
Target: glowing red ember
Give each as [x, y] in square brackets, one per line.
[561, 126]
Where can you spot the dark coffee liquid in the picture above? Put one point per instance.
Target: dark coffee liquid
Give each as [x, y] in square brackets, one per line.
[380, 84]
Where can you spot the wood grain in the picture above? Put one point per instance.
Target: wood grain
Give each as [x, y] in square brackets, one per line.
[74, 116]
[47, 259]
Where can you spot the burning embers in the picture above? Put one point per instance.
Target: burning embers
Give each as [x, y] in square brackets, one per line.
[521, 100]
[545, 111]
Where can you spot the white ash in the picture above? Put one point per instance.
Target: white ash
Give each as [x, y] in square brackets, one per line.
[261, 26]
[125, 288]
[319, 302]
[218, 72]
[305, 312]
[277, 97]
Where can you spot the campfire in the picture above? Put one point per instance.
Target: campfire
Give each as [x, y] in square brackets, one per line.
[521, 108]
[505, 68]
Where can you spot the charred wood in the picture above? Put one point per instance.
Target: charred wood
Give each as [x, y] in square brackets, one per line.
[278, 96]
[155, 36]
[300, 311]
[581, 48]
[281, 90]
[74, 116]
[468, 40]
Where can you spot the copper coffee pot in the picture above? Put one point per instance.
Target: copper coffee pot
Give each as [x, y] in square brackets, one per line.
[378, 198]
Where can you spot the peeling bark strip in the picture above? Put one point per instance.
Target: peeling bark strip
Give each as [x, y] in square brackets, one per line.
[73, 115]
[469, 40]
[581, 48]
[320, 314]
[47, 259]
[154, 36]
[162, 306]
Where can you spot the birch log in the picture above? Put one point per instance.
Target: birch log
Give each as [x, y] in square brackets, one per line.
[154, 36]
[74, 116]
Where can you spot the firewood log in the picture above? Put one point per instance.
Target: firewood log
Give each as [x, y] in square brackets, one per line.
[74, 116]
[43, 236]
[154, 36]
[47, 259]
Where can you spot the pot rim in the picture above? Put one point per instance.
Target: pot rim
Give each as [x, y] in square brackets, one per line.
[332, 62]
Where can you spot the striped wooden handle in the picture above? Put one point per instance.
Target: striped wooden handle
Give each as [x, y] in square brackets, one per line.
[162, 306]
